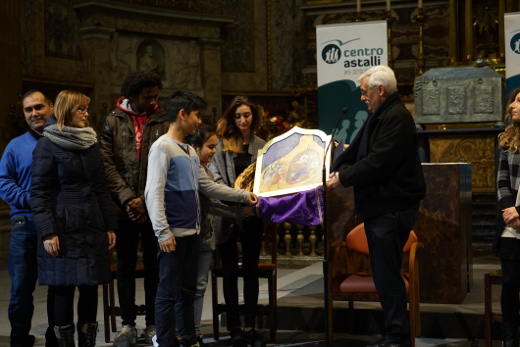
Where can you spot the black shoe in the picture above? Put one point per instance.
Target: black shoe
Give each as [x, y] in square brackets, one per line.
[50, 338]
[383, 343]
[199, 340]
[254, 338]
[401, 344]
[237, 338]
[379, 343]
[27, 341]
[510, 343]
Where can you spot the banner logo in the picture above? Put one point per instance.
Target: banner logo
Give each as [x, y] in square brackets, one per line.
[330, 54]
[514, 43]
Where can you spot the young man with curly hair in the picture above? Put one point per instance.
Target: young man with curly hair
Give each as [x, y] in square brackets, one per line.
[126, 137]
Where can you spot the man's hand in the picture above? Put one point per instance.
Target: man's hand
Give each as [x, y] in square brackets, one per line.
[333, 182]
[136, 210]
[169, 245]
[51, 243]
[253, 199]
[111, 238]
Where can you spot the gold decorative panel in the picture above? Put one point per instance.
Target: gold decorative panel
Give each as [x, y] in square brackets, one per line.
[478, 151]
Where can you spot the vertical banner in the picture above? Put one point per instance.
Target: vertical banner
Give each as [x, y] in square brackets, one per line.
[512, 48]
[343, 53]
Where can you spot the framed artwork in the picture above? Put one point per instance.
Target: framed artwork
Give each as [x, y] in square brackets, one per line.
[292, 162]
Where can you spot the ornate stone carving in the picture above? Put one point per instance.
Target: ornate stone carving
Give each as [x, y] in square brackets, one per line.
[478, 151]
[459, 95]
[457, 99]
[177, 61]
[61, 31]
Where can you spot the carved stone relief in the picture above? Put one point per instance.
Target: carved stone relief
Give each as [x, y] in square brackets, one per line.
[150, 57]
[484, 102]
[479, 152]
[457, 99]
[61, 32]
[458, 95]
[177, 61]
[237, 46]
[431, 104]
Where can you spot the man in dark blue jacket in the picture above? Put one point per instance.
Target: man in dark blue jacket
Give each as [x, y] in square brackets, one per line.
[383, 166]
[15, 182]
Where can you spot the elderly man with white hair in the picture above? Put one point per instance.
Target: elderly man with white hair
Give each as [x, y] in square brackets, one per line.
[382, 164]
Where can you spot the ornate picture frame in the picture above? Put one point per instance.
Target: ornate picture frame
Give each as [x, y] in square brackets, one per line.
[292, 162]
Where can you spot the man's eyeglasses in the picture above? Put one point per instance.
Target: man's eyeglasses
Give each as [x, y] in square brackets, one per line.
[365, 92]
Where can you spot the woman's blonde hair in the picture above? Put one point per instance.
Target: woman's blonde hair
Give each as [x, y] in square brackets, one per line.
[67, 103]
[509, 140]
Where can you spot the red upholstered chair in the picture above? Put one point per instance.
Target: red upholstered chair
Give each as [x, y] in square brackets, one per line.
[360, 280]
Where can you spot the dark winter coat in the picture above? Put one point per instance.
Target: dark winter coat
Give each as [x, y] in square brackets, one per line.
[126, 174]
[390, 177]
[69, 198]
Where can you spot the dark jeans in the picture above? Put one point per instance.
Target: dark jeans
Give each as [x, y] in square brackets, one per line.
[64, 304]
[387, 235]
[127, 243]
[176, 292]
[23, 270]
[251, 241]
[509, 300]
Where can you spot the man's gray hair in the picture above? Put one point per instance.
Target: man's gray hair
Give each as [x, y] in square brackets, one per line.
[380, 74]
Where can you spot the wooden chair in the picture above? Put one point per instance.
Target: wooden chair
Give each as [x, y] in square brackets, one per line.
[267, 271]
[110, 310]
[490, 317]
[361, 281]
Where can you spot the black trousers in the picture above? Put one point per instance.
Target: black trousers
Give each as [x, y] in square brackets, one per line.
[510, 264]
[251, 241]
[127, 248]
[64, 304]
[387, 234]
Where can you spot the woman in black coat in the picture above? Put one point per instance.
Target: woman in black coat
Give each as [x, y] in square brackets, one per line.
[74, 216]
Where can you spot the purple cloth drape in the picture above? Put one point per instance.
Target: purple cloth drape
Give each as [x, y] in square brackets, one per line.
[303, 208]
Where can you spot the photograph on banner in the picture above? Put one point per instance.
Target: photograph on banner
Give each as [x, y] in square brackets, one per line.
[512, 48]
[343, 53]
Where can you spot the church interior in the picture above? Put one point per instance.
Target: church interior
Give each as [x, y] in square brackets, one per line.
[266, 49]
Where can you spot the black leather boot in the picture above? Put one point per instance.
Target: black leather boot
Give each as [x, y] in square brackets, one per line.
[87, 334]
[254, 338]
[509, 334]
[50, 338]
[65, 335]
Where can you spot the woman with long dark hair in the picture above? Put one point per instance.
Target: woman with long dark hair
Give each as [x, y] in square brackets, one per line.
[237, 149]
[507, 237]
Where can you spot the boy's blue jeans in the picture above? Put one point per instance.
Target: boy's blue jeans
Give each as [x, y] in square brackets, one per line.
[176, 291]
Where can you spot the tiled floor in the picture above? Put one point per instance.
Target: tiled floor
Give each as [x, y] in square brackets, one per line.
[300, 312]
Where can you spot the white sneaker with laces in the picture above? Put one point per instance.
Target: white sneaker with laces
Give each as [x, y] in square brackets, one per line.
[127, 337]
[148, 334]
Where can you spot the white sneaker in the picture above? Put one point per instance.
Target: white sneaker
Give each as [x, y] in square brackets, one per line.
[127, 337]
[154, 341]
[148, 334]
